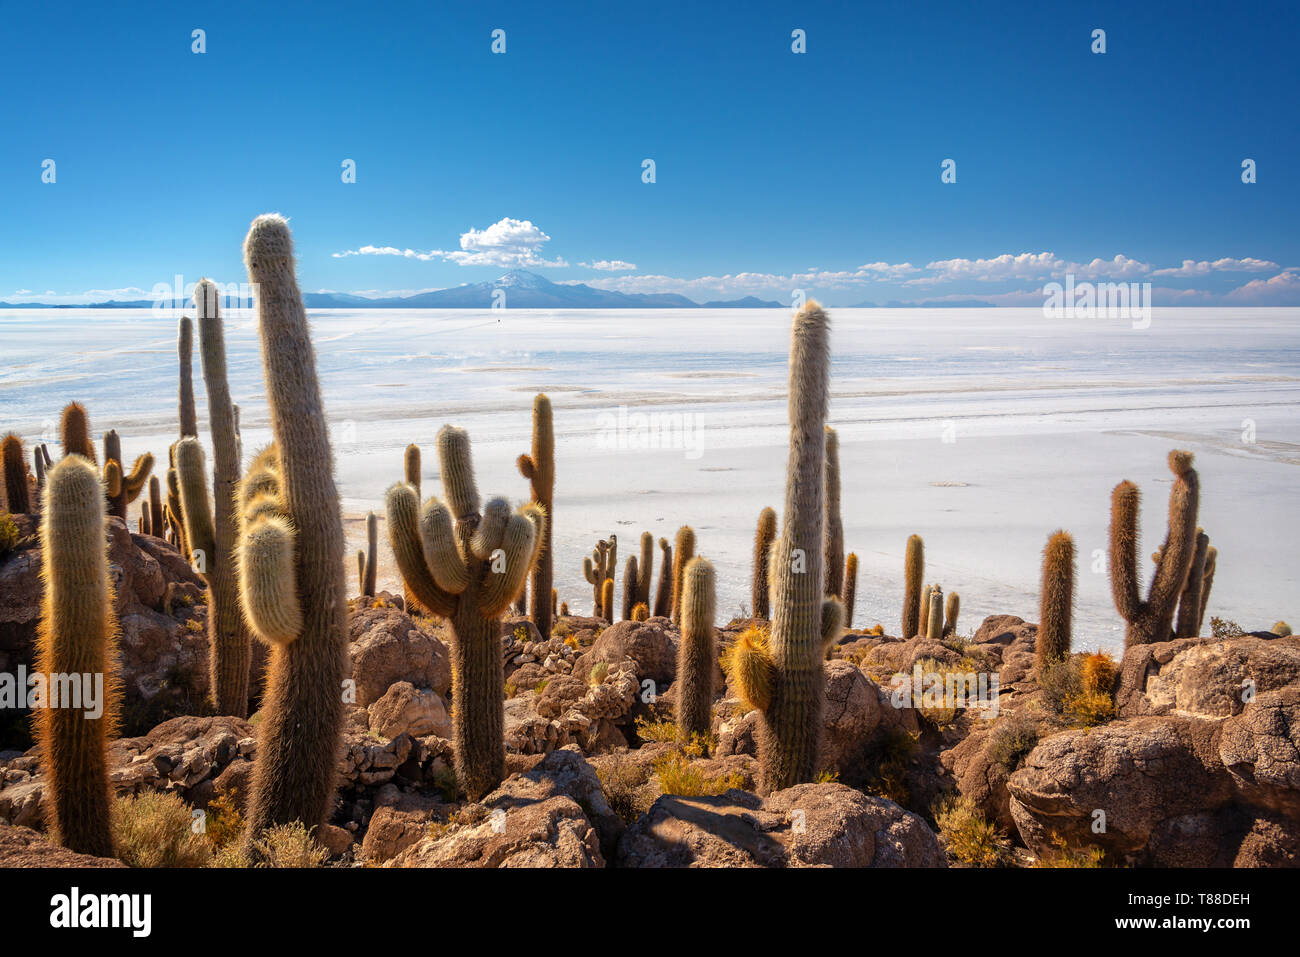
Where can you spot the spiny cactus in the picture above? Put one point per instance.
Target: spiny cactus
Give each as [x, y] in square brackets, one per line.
[175, 513]
[564, 609]
[196, 508]
[411, 466]
[18, 497]
[1152, 620]
[156, 525]
[695, 654]
[850, 591]
[539, 469]
[1281, 629]
[934, 619]
[645, 567]
[664, 594]
[132, 483]
[913, 571]
[683, 553]
[467, 567]
[38, 460]
[640, 611]
[951, 609]
[77, 637]
[1211, 560]
[833, 534]
[189, 420]
[302, 706]
[764, 535]
[607, 600]
[1188, 621]
[1056, 602]
[785, 679]
[369, 559]
[923, 626]
[630, 586]
[596, 569]
[74, 429]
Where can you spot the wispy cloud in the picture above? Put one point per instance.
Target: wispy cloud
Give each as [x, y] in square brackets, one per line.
[610, 265]
[1191, 268]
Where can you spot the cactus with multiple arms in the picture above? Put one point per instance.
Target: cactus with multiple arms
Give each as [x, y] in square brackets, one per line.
[77, 635]
[1152, 620]
[764, 535]
[132, 483]
[596, 569]
[784, 678]
[539, 469]
[695, 653]
[913, 601]
[468, 567]
[833, 534]
[302, 707]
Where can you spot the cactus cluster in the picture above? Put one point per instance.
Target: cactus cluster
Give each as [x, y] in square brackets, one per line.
[467, 565]
[597, 570]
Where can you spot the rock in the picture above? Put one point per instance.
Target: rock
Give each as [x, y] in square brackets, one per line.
[1204, 678]
[386, 647]
[400, 820]
[651, 645]
[853, 712]
[1139, 772]
[900, 656]
[809, 825]
[404, 709]
[21, 847]
[337, 841]
[1261, 750]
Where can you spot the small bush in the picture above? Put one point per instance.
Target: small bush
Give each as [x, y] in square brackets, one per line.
[1062, 855]
[624, 785]
[677, 775]
[967, 836]
[890, 778]
[288, 845]
[599, 671]
[8, 534]
[1011, 740]
[225, 821]
[1079, 691]
[1223, 628]
[660, 730]
[156, 829]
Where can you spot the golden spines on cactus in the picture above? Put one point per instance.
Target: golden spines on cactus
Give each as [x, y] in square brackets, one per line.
[1281, 629]
[1152, 620]
[696, 657]
[564, 609]
[411, 465]
[790, 726]
[645, 570]
[914, 603]
[951, 609]
[539, 468]
[1056, 602]
[832, 623]
[191, 472]
[850, 591]
[77, 637]
[764, 535]
[684, 551]
[454, 569]
[17, 491]
[629, 586]
[302, 707]
[923, 624]
[640, 611]
[833, 533]
[369, 558]
[663, 605]
[74, 429]
[607, 600]
[751, 668]
[934, 618]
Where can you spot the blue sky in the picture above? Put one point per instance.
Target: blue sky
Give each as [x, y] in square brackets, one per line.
[774, 170]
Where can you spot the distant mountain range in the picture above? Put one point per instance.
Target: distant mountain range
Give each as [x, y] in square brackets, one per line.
[522, 289]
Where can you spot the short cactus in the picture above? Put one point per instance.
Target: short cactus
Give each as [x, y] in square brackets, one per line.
[1281, 629]
[156, 524]
[923, 625]
[468, 567]
[663, 606]
[764, 535]
[74, 429]
[833, 533]
[607, 600]
[684, 551]
[1152, 620]
[18, 497]
[785, 680]
[77, 637]
[696, 658]
[934, 619]
[539, 468]
[1056, 602]
[411, 466]
[630, 586]
[640, 611]
[369, 558]
[913, 571]
[302, 706]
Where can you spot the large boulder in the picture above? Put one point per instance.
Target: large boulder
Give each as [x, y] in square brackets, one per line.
[650, 645]
[400, 820]
[809, 825]
[1261, 750]
[405, 709]
[385, 646]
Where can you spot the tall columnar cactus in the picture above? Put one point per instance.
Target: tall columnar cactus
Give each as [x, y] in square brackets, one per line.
[302, 706]
[1056, 601]
[923, 625]
[189, 420]
[786, 673]
[850, 591]
[682, 555]
[1211, 559]
[539, 469]
[411, 465]
[74, 430]
[913, 572]
[764, 535]
[607, 600]
[18, 496]
[934, 619]
[629, 586]
[77, 637]
[467, 566]
[133, 482]
[663, 606]
[369, 559]
[1152, 620]
[196, 508]
[645, 567]
[155, 507]
[833, 534]
[696, 658]
[1188, 622]
[951, 609]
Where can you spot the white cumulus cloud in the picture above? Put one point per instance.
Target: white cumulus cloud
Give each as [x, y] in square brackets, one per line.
[506, 244]
[1191, 267]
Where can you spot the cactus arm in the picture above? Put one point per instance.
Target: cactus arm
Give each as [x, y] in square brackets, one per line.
[832, 622]
[457, 472]
[487, 536]
[411, 465]
[1189, 604]
[850, 593]
[589, 571]
[1180, 545]
[1211, 559]
[404, 535]
[268, 579]
[833, 534]
[759, 587]
[502, 587]
[752, 673]
[133, 483]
